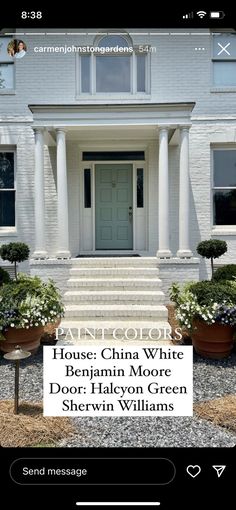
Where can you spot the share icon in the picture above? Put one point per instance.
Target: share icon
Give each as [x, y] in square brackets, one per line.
[219, 470]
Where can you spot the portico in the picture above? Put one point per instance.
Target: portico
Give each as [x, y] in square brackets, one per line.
[168, 124]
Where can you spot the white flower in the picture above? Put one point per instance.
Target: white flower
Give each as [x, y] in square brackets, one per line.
[12, 325]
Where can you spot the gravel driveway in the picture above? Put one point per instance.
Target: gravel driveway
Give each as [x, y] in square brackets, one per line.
[212, 379]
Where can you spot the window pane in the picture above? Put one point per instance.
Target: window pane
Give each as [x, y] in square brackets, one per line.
[224, 73]
[112, 74]
[6, 76]
[85, 73]
[4, 55]
[113, 156]
[224, 168]
[87, 188]
[113, 40]
[224, 46]
[139, 187]
[225, 207]
[7, 208]
[141, 64]
[6, 170]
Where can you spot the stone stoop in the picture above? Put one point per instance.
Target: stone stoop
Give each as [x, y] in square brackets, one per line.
[109, 294]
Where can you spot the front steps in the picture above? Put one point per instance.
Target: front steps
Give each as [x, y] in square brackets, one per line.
[107, 294]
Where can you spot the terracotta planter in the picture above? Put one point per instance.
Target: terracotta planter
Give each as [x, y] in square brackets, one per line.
[49, 332]
[212, 340]
[28, 339]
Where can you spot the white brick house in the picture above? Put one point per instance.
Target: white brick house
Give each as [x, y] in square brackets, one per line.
[132, 155]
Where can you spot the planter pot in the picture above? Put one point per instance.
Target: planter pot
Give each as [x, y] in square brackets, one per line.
[28, 339]
[49, 332]
[212, 340]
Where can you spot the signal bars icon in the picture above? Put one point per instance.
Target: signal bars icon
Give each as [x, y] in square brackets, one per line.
[188, 16]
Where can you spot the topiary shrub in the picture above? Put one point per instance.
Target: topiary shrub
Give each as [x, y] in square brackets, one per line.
[209, 290]
[14, 252]
[4, 276]
[212, 249]
[227, 272]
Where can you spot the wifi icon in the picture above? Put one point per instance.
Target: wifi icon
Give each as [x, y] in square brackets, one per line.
[201, 14]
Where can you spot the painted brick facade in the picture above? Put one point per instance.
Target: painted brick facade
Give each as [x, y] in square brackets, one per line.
[178, 74]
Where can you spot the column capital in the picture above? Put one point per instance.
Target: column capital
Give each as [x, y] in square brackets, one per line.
[164, 127]
[185, 127]
[60, 130]
[39, 129]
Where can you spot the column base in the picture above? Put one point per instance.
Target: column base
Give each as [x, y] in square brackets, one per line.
[184, 254]
[40, 254]
[164, 254]
[63, 254]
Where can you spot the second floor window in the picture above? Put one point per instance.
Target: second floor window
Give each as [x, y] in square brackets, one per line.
[117, 68]
[6, 67]
[224, 60]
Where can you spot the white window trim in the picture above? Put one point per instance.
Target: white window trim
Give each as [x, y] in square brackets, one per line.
[10, 61]
[220, 229]
[220, 88]
[133, 93]
[10, 230]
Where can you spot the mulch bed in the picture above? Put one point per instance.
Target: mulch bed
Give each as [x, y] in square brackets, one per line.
[30, 427]
[221, 411]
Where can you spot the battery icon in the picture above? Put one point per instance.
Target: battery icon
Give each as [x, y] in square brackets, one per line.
[217, 14]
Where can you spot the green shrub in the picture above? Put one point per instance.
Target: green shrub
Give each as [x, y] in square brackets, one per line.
[210, 291]
[14, 252]
[227, 272]
[207, 301]
[212, 249]
[4, 276]
[27, 302]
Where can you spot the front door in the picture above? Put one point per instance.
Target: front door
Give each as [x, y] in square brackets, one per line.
[114, 207]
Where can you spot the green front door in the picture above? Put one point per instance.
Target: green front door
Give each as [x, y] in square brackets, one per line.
[114, 207]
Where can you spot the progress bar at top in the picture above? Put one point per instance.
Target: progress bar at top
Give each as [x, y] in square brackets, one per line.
[117, 503]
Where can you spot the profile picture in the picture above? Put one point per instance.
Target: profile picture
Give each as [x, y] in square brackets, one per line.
[16, 48]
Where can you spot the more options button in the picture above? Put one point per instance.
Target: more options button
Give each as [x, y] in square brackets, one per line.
[92, 471]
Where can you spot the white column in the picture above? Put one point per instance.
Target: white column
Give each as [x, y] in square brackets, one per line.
[39, 201]
[163, 191]
[184, 189]
[62, 197]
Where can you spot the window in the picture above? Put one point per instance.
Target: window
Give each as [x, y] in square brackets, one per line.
[113, 156]
[6, 67]
[87, 188]
[114, 67]
[140, 198]
[224, 60]
[7, 190]
[224, 187]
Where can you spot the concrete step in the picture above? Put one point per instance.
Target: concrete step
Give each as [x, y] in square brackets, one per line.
[124, 331]
[115, 283]
[117, 272]
[114, 297]
[101, 312]
[115, 262]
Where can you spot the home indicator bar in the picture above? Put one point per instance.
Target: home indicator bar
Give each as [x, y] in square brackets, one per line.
[117, 503]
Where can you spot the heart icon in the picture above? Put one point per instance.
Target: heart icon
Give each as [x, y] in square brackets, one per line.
[193, 471]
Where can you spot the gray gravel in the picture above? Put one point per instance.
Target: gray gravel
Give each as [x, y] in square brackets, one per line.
[212, 379]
